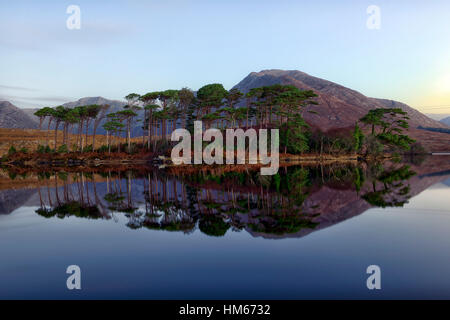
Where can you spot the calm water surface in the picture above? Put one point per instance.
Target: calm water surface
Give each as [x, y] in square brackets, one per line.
[304, 233]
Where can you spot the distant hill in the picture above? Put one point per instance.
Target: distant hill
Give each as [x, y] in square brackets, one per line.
[13, 117]
[446, 182]
[446, 121]
[115, 104]
[437, 116]
[339, 106]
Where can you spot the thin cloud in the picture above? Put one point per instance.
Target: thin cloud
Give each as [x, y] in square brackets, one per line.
[40, 98]
[51, 98]
[36, 101]
[16, 88]
[22, 104]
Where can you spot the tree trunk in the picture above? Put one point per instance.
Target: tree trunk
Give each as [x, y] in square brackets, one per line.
[164, 127]
[64, 132]
[143, 129]
[48, 130]
[107, 142]
[119, 142]
[149, 129]
[87, 131]
[93, 138]
[247, 117]
[129, 134]
[80, 132]
[56, 134]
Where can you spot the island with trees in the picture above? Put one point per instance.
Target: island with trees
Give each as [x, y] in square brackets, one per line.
[71, 133]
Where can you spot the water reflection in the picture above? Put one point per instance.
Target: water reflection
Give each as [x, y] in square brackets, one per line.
[168, 234]
[294, 202]
[394, 190]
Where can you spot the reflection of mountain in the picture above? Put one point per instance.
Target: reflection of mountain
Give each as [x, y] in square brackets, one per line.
[53, 192]
[10, 200]
[334, 205]
[337, 205]
[446, 182]
[294, 203]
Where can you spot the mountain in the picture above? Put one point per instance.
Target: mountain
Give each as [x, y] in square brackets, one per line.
[338, 107]
[115, 104]
[446, 121]
[12, 199]
[446, 182]
[13, 117]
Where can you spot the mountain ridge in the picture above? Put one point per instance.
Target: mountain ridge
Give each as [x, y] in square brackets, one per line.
[339, 106]
[12, 117]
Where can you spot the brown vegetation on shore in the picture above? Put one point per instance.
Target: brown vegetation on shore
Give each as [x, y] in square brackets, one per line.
[31, 139]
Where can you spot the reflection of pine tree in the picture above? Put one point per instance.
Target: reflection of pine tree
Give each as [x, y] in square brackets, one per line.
[213, 225]
[70, 205]
[283, 224]
[393, 192]
[216, 201]
[164, 211]
[41, 202]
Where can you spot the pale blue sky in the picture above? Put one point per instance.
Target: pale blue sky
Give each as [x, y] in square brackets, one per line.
[140, 46]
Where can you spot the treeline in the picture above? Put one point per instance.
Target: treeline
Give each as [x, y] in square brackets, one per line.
[164, 111]
[275, 106]
[72, 120]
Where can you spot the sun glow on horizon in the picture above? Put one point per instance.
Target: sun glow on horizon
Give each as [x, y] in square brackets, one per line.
[443, 84]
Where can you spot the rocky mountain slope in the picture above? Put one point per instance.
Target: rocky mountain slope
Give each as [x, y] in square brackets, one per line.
[13, 117]
[339, 106]
[115, 104]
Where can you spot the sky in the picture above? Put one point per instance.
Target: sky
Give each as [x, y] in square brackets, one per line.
[141, 46]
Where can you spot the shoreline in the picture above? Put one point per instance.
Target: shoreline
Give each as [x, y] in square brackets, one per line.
[94, 160]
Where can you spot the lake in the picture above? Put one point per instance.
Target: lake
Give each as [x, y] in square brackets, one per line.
[307, 232]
